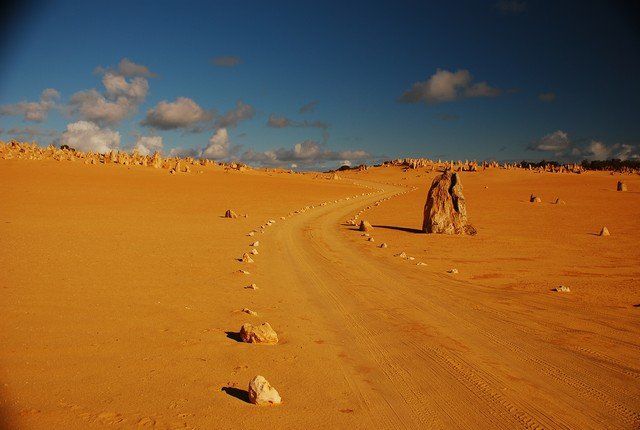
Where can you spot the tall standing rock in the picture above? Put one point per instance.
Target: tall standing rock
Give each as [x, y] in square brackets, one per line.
[622, 186]
[445, 210]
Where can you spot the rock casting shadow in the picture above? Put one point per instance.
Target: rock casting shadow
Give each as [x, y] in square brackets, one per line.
[234, 335]
[405, 229]
[237, 393]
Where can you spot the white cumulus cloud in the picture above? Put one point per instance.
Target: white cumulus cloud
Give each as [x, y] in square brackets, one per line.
[218, 146]
[89, 137]
[147, 145]
[120, 100]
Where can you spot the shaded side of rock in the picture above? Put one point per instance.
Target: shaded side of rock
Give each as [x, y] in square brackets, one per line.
[365, 226]
[445, 210]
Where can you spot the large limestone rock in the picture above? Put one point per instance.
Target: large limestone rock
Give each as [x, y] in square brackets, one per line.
[262, 393]
[262, 333]
[445, 210]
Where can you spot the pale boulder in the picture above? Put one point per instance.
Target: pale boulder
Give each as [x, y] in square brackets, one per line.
[262, 334]
[262, 393]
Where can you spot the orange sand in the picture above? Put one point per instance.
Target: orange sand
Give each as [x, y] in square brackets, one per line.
[121, 298]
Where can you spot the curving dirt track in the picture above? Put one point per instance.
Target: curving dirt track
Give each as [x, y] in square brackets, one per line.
[424, 350]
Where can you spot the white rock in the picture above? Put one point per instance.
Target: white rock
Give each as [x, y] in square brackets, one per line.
[262, 393]
[246, 258]
[563, 289]
[454, 271]
[255, 244]
[254, 251]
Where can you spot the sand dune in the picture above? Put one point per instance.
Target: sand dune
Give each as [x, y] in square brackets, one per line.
[123, 300]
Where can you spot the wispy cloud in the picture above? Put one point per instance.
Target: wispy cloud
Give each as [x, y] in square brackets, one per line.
[182, 113]
[240, 113]
[226, 61]
[127, 68]
[446, 86]
[443, 116]
[561, 146]
[309, 107]
[547, 97]
[31, 132]
[511, 7]
[276, 121]
[33, 111]
[308, 152]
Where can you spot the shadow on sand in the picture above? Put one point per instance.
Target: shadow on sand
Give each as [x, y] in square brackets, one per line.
[405, 229]
[237, 393]
[234, 335]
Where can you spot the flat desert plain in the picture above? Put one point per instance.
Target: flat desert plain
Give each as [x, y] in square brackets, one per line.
[122, 298]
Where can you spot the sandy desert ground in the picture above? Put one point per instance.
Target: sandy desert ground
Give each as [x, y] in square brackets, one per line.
[122, 297]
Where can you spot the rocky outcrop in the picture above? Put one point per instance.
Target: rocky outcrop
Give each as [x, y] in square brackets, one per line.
[445, 211]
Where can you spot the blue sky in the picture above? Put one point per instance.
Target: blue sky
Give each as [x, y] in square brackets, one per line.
[506, 80]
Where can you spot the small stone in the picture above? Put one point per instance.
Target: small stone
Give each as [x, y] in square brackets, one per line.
[250, 312]
[254, 251]
[251, 233]
[371, 239]
[420, 263]
[365, 226]
[622, 186]
[383, 245]
[262, 393]
[401, 255]
[558, 201]
[230, 214]
[244, 272]
[255, 244]
[604, 232]
[262, 333]
[562, 289]
[453, 271]
[246, 258]
[411, 258]
[534, 199]
[251, 287]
